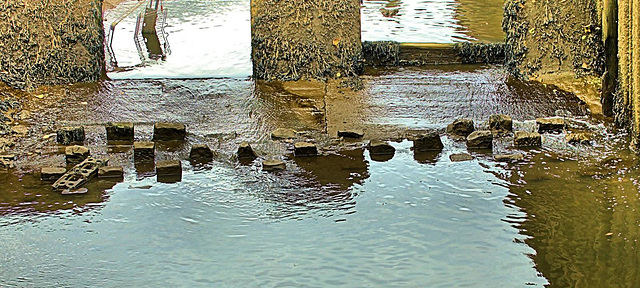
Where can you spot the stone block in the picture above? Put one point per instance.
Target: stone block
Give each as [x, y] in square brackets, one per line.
[246, 152]
[76, 154]
[169, 132]
[120, 131]
[460, 157]
[144, 151]
[201, 153]
[168, 168]
[115, 172]
[499, 124]
[353, 134]
[70, 135]
[51, 173]
[429, 141]
[461, 128]
[551, 124]
[380, 148]
[304, 149]
[579, 138]
[273, 165]
[480, 140]
[527, 139]
[283, 134]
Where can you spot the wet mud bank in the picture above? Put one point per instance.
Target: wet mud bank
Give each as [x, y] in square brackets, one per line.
[50, 42]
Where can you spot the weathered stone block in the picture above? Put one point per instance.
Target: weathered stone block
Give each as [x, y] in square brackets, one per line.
[283, 134]
[201, 153]
[144, 151]
[353, 134]
[527, 139]
[460, 157]
[51, 173]
[500, 123]
[79, 174]
[273, 165]
[246, 152]
[461, 128]
[380, 148]
[579, 138]
[480, 140]
[551, 124]
[429, 141]
[304, 149]
[115, 172]
[76, 154]
[120, 131]
[168, 168]
[70, 135]
[169, 132]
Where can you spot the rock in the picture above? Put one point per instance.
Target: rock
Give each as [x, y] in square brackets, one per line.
[5, 144]
[283, 134]
[509, 157]
[168, 168]
[461, 128]
[480, 140]
[353, 134]
[75, 191]
[551, 124]
[70, 135]
[201, 153]
[273, 165]
[120, 131]
[500, 124]
[76, 154]
[6, 163]
[111, 172]
[579, 138]
[429, 141]
[19, 130]
[380, 148]
[527, 139]
[51, 173]
[246, 152]
[79, 174]
[144, 151]
[460, 157]
[169, 132]
[304, 149]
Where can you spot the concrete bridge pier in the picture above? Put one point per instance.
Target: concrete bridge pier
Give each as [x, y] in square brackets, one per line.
[305, 39]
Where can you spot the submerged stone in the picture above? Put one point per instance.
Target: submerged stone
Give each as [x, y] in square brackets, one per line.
[76, 154]
[509, 157]
[75, 191]
[144, 151]
[461, 128]
[480, 140]
[273, 165]
[283, 134]
[579, 138]
[246, 152]
[500, 123]
[304, 149]
[169, 168]
[353, 134]
[551, 124]
[460, 157]
[201, 153]
[70, 135]
[377, 147]
[51, 173]
[169, 131]
[120, 131]
[527, 139]
[115, 172]
[429, 141]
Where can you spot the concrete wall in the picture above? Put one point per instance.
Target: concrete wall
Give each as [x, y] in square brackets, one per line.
[49, 42]
[627, 99]
[305, 39]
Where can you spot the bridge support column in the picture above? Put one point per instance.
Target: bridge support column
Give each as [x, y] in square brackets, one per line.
[305, 39]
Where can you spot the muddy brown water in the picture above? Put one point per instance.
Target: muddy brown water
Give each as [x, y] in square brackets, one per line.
[566, 216]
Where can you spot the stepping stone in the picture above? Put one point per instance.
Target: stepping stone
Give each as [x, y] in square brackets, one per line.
[500, 123]
[429, 141]
[70, 135]
[304, 149]
[461, 128]
[551, 124]
[115, 172]
[201, 153]
[527, 139]
[120, 131]
[579, 138]
[246, 152]
[380, 148]
[283, 134]
[169, 132]
[273, 165]
[51, 173]
[480, 140]
[353, 134]
[509, 157]
[76, 154]
[460, 157]
[169, 168]
[144, 151]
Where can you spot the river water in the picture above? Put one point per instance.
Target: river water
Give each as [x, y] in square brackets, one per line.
[566, 216]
